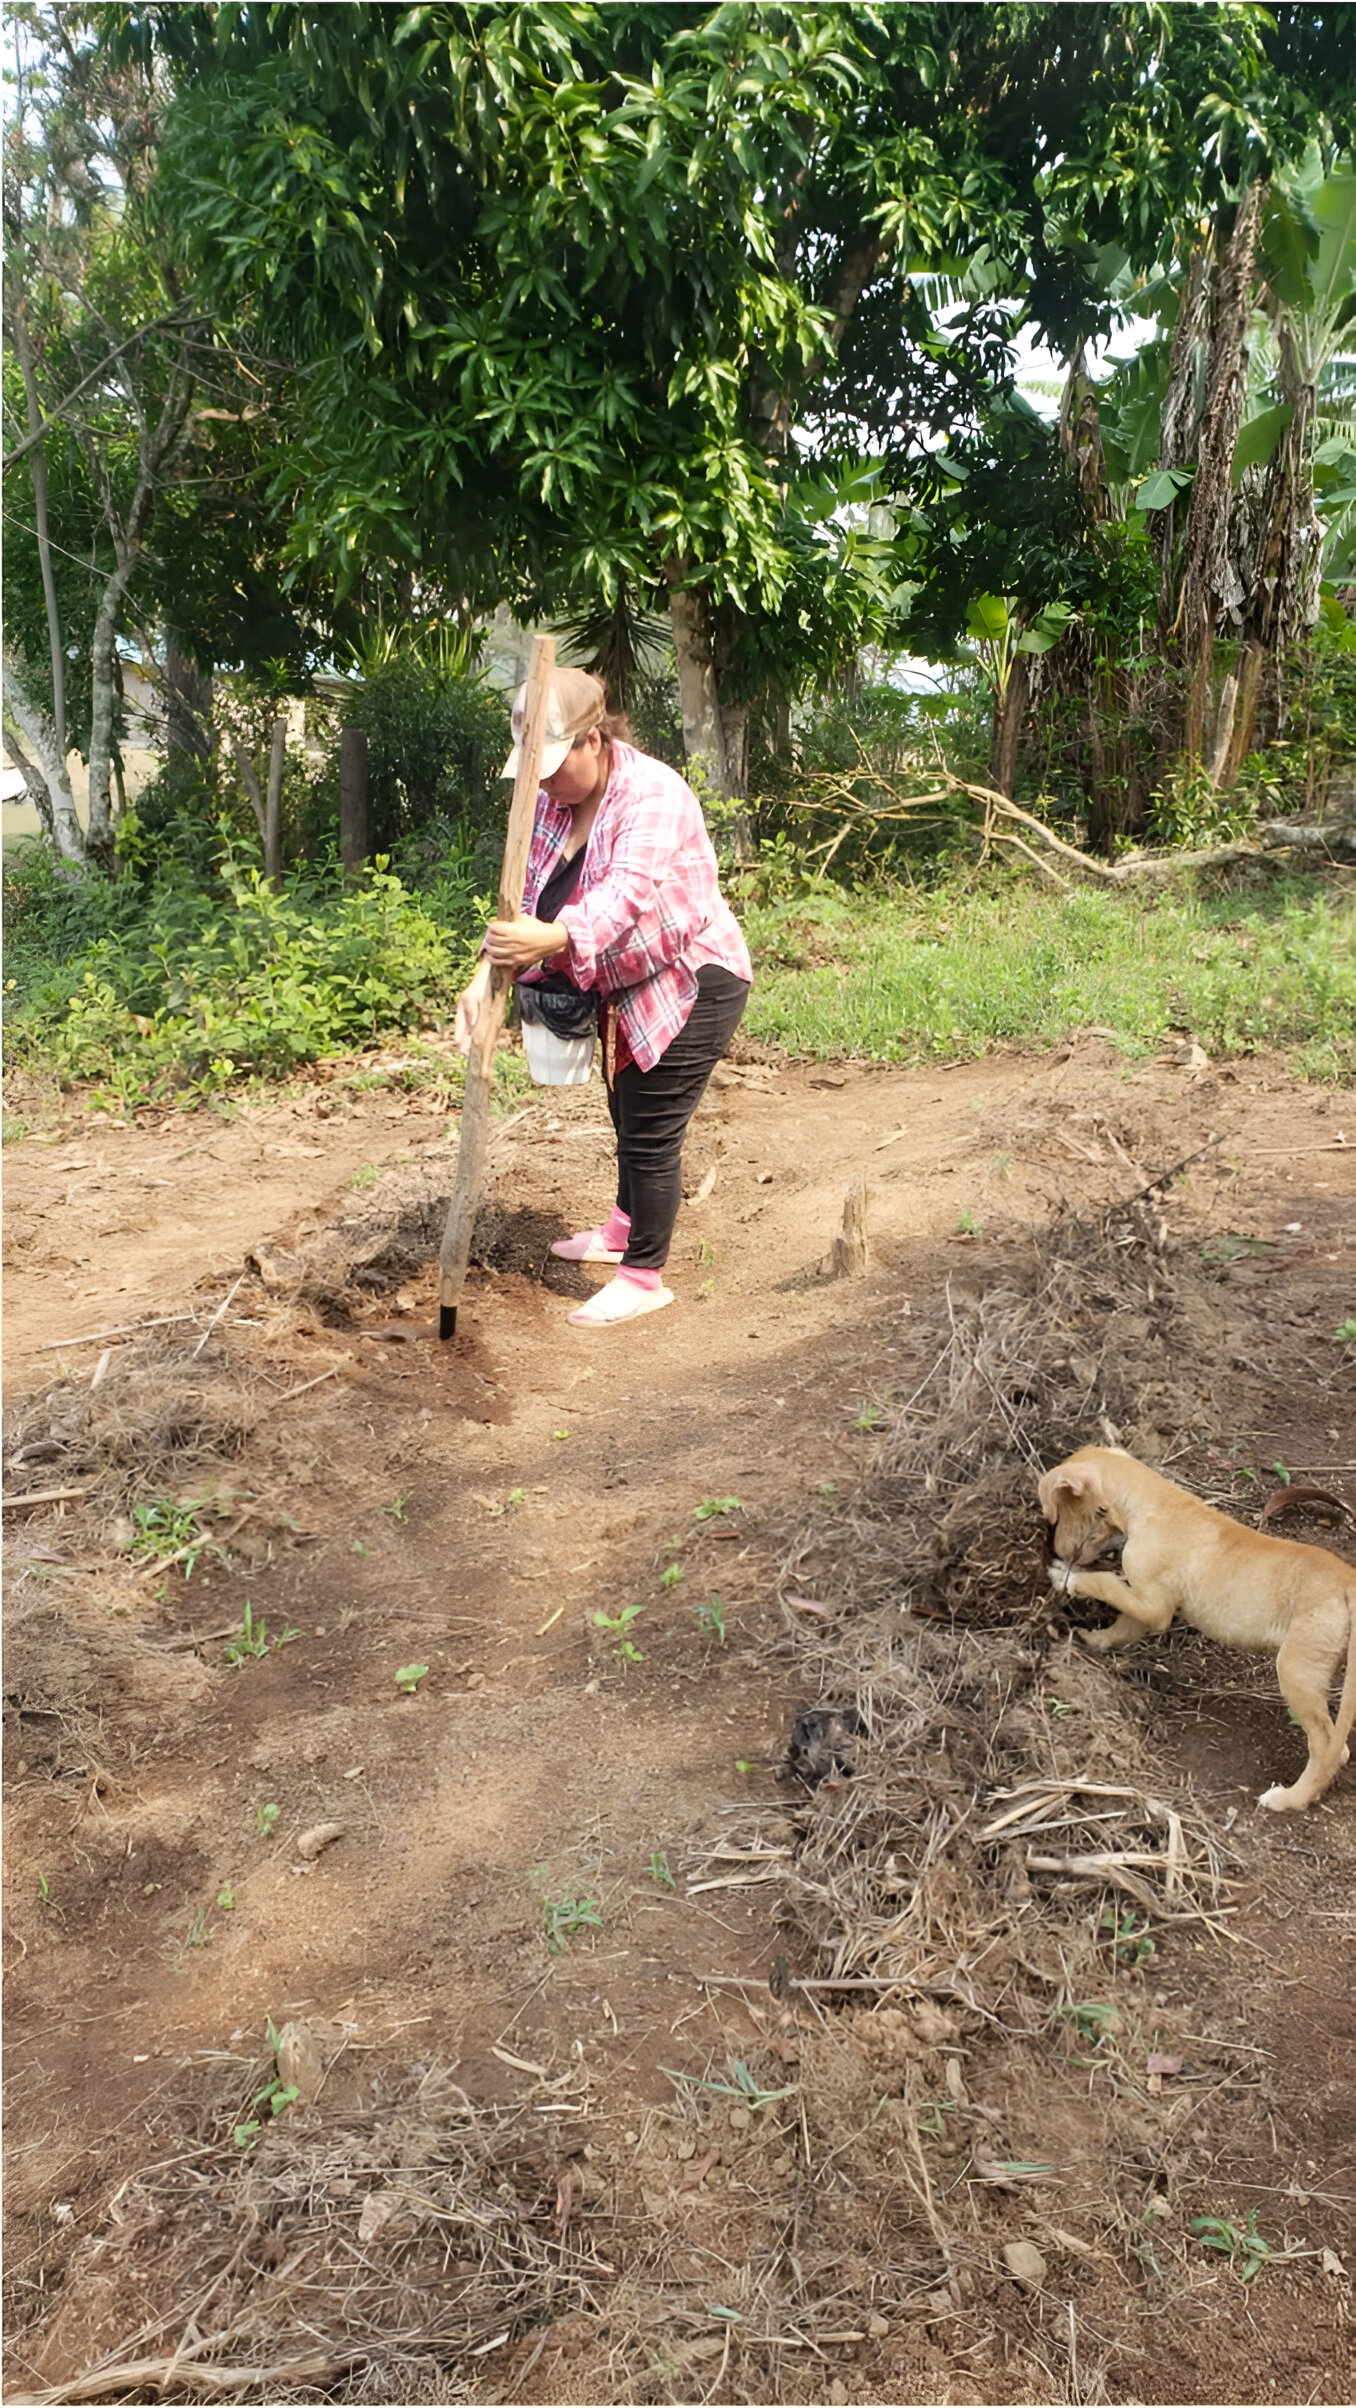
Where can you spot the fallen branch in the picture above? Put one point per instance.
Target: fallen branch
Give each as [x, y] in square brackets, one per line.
[1333, 839]
[42, 1496]
[141, 2374]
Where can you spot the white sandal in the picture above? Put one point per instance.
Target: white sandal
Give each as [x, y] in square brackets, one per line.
[586, 1246]
[620, 1300]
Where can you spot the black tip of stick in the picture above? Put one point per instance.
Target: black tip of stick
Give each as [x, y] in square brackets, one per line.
[447, 1321]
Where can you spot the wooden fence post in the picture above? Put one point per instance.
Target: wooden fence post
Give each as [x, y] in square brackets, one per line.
[354, 793]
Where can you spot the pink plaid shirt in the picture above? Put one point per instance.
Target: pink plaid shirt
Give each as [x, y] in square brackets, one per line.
[649, 913]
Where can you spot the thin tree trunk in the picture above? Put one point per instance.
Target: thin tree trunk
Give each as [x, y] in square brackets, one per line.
[354, 800]
[253, 790]
[1009, 713]
[273, 805]
[1207, 528]
[102, 668]
[1180, 422]
[188, 706]
[38, 472]
[36, 728]
[703, 726]
[34, 781]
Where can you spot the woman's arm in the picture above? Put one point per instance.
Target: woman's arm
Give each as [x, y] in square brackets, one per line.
[468, 1007]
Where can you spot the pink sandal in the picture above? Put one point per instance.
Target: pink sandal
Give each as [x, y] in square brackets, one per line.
[586, 1246]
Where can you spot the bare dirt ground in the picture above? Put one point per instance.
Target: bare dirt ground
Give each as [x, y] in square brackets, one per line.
[472, 1509]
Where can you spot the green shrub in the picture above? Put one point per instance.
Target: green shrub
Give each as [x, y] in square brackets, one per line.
[190, 987]
[437, 742]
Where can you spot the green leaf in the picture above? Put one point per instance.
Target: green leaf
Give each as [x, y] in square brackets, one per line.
[987, 618]
[1160, 490]
[1258, 439]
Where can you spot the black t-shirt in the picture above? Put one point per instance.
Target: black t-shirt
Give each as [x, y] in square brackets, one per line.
[561, 887]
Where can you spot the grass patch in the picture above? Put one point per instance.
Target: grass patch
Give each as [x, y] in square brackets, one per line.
[955, 971]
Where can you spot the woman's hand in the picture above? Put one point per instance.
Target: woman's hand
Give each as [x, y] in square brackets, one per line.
[468, 1008]
[517, 944]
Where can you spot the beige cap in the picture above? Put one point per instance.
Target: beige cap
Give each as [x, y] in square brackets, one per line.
[578, 702]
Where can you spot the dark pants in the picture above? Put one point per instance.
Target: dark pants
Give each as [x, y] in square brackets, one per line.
[651, 1109]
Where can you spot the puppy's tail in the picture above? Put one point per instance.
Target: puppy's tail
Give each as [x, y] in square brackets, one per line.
[1346, 1704]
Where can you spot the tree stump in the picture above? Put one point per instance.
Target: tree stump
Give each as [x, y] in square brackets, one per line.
[849, 1253]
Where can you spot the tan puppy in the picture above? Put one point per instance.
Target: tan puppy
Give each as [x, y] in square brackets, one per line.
[1183, 1558]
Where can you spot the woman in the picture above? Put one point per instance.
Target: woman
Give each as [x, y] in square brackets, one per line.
[622, 904]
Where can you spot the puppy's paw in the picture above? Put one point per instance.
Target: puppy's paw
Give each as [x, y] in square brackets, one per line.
[1095, 1639]
[1061, 1576]
[1279, 1800]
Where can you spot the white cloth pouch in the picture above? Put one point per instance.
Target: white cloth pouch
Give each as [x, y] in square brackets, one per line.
[560, 1030]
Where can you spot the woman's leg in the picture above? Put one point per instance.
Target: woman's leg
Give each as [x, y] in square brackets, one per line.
[651, 1110]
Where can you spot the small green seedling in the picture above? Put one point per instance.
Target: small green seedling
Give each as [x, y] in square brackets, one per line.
[933, 2115]
[745, 1764]
[671, 1578]
[743, 2088]
[274, 2097]
[1345, 1332]
[198, 1933]
[565, 1916]
[252, 1639]
[710, 1618]
[705, 1288]
[619, 1625]
[396, 1509]
[870, 1418]
[164, 1528]
[661, 1871]
[711, 1508]
[560, 1433]
[970, 1225]
[1133, 1941]
[359, 1549]
[1242, 2244]
[706, 1254]
[1094, 2020]
[1059, 1705]
[366, 1177]
[408, 1678]
[1281, 1473]
[226, 1899]
[266, 1820]
[828, 1490]
[43, 1890]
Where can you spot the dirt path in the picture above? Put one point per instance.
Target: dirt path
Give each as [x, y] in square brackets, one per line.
[474, 1510]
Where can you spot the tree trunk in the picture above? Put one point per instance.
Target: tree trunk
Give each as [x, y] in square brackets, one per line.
[273, 805]
[1205, 544]
[41, 736]
[188, 706]
[1279, 609]
[703, 726]
[102, 673]
[38, 472]
[253, 790]
[1009, 713]
[354, 801]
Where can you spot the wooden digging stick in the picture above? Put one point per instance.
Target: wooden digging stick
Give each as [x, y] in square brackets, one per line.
[475, 1110]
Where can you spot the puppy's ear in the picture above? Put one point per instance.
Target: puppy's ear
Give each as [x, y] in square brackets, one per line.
[1066, 1480]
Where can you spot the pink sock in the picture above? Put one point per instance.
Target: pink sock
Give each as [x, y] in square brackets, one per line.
[640, 1279]
[616, 1230]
